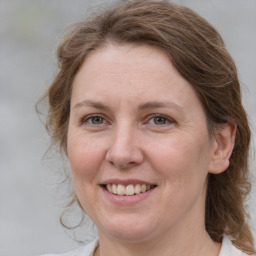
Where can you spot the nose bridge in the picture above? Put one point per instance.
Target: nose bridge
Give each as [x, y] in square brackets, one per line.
[123, 135]
[123, 150]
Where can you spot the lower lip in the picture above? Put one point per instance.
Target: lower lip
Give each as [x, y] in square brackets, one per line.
[127, 200]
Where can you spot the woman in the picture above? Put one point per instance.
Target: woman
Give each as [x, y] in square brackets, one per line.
[147, 108]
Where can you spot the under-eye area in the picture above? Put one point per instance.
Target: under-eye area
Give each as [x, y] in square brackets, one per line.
[127, 190]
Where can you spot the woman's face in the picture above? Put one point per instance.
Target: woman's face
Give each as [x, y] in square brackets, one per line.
[138, 144]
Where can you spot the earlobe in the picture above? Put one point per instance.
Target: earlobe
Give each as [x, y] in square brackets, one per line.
[223, 144]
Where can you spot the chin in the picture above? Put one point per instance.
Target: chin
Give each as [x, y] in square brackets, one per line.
[130, 236]
[129, 229]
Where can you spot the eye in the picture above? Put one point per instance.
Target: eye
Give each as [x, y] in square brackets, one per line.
[93, 120]
[160, 120]
[96, 120]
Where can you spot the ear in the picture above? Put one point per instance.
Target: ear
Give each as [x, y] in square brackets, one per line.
[223, 144]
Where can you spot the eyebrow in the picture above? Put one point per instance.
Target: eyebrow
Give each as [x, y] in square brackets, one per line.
[157, 104]
[94, 104]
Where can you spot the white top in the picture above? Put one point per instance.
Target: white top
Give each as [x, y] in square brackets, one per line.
[227, 249]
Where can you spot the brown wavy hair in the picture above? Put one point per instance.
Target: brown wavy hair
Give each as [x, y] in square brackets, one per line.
[198, 52]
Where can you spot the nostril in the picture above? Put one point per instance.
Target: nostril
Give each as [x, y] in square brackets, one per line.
[122, 162]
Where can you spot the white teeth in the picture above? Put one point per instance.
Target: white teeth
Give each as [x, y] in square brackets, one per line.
[137, 188]
[109, 188]
[114, 189]
[120, 189]
[129, 190]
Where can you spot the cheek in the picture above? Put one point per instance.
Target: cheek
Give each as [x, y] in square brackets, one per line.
[182, 161]
[85, 157]
[183, 168]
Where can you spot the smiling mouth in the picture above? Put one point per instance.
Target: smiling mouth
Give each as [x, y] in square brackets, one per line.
[129, 190]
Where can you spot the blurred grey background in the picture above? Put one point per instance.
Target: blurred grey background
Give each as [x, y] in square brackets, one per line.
[30, 202]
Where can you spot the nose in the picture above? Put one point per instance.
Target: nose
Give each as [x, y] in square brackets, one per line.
[124, 151]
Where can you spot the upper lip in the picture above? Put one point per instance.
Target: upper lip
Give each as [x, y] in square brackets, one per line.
[126, 182]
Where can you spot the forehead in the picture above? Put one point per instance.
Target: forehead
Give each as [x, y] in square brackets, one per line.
[127, 63]
[132, 73]
[119, 56]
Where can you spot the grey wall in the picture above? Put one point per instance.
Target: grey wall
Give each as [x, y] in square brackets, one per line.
[29, 201]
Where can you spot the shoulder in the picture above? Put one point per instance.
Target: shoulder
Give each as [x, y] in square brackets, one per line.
[228, 249]
[86, 250]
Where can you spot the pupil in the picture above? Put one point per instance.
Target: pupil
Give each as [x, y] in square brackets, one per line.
[159, 120]
[97, 120]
